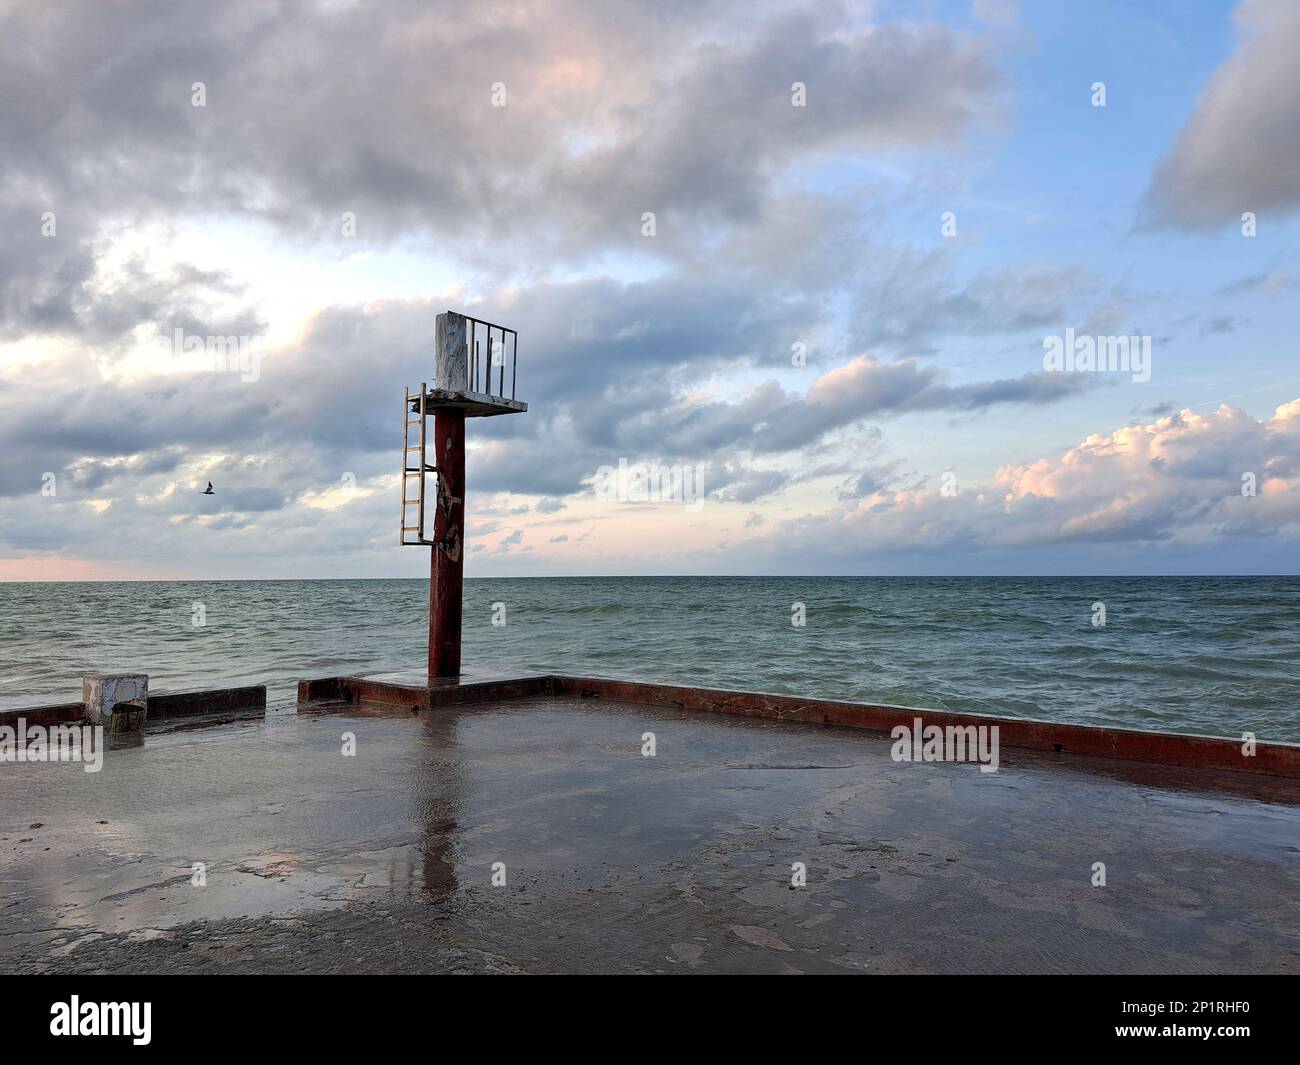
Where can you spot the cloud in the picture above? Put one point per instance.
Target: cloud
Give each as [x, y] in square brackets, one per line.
[606, 115]
[772, 420]
[909, 301]
[1240, 150]
[1176, 480]
[650, 421]
[1264, 283]
[871, 481]
[386, 110]
[1220, 326]
[675, 349]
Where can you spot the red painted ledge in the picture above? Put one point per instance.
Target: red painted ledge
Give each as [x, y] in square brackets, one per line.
[1162, 748]
[1159, 748]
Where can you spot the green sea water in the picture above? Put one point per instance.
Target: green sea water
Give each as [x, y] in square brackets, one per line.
[1218, 655]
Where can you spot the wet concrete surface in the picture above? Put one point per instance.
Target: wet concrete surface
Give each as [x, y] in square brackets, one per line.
[615, 862]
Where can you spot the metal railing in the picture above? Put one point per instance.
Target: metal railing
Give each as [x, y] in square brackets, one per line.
[480, 379]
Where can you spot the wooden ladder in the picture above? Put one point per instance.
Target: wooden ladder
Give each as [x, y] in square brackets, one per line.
[419, 470]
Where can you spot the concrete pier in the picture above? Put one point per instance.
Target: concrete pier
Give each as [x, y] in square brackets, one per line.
[612, 861]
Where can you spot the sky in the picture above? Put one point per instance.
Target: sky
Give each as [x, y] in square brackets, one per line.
[800, 269]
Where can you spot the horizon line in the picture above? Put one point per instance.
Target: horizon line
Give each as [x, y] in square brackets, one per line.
[663, 576]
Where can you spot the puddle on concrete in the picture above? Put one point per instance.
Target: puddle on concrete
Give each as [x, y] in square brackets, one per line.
[682, 860]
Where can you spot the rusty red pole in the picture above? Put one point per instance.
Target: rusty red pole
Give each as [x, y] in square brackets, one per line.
[446, 577]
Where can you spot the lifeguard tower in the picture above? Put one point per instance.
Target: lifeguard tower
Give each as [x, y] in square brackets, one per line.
[470, 382]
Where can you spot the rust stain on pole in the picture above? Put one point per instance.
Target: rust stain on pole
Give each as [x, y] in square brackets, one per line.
[446, 577]
[449, 403]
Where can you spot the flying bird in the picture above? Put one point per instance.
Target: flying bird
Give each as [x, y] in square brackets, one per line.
[209, 492]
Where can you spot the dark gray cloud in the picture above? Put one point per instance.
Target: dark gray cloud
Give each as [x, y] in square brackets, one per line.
[771, 420]
[878, 477]
[1240, 150]
[386, 110]
[1220, 326]
[909, 303]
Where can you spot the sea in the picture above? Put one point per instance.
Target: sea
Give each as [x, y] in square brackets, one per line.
[1210, 655]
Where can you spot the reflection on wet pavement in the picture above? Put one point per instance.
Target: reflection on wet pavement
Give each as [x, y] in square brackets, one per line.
[383, 860]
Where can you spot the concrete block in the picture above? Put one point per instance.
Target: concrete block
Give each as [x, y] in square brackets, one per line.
[451, 357]
[118, 701]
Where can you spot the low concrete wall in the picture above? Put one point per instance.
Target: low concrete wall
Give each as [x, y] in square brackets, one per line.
[1163, 748]
[220, 700]
[1158, 748]
[320, 689]
[45, 716]
[161, 705]
[367, 690]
